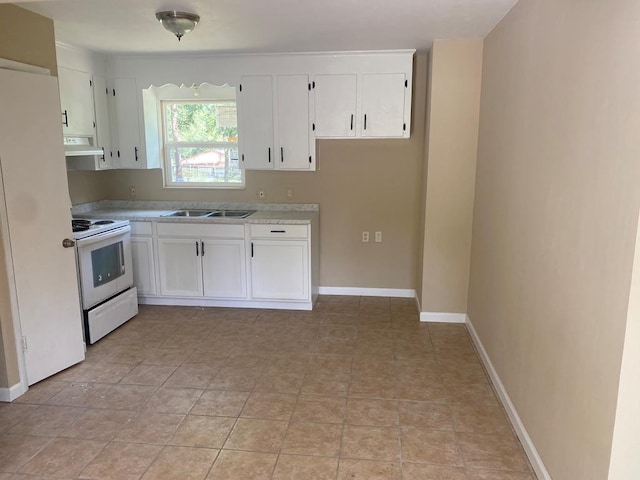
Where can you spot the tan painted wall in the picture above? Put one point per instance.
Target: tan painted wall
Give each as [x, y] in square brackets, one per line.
[28, 38]
[556, 211]
[453, 113]
[360, 185]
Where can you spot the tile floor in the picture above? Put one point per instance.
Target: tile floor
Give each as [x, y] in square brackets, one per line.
[356, 389]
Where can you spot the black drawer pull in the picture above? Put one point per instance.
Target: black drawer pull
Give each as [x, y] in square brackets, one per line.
[278, 231]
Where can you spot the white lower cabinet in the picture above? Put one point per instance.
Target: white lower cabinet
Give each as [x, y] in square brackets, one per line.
[144, 270]
[223, 268]
[280, 268]
[197, 260]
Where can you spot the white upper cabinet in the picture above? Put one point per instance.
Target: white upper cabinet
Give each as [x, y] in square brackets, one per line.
[103, 129]
[76, 101]
[294, 152]
[335, 105]
[383, 105]
[366, 105]
[126, 121]
[255, 122]
[274, 138]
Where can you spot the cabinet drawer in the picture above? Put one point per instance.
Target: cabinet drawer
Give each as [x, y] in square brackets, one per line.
[279, 231]
[200, 230]
[140, 228]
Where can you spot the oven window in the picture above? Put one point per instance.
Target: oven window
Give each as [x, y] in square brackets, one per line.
[107, 263]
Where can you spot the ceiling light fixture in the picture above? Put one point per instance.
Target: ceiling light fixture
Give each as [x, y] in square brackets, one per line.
[178, 23]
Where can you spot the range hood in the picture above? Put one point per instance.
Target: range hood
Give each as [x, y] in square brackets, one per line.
[80, 145]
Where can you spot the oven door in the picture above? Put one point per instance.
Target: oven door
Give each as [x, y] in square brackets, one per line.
[105, 265]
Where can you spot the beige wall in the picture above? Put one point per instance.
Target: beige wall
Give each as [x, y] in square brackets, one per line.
[450, 162]
[28, 38]
[555, 219]
[360, 185]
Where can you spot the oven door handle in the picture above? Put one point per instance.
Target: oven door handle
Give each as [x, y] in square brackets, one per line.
[103, 236]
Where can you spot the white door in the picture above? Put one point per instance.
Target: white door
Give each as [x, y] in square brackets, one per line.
[255, 117]
[76, 98]
[280, 269]
[129, 151]
[383, 105]
[144, 274]
[293, 122]
[103, 131]
[180, 267]
[224, 268]
[36, 197]
[335, 105]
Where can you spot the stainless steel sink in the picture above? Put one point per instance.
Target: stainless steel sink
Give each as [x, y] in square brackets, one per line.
[210, 213]
[232, 213]
[188, 213]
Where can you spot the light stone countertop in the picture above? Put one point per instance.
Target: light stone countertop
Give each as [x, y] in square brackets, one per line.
[280, 214]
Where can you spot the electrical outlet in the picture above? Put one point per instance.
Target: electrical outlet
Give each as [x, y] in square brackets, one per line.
[378, 236]
[260, 194]
[289, 193]
[132, 191]
[365, 237]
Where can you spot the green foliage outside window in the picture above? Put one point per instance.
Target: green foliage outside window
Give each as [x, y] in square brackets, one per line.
[201, 142]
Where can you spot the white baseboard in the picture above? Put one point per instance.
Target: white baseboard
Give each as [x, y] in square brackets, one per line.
[368, 292]
[443, 317]
[521, 431]
[203, 302]
[11, 393]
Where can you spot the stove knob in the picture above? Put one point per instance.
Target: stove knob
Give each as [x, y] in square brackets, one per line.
[68, 243]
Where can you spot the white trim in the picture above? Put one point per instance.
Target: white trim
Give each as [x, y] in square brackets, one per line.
[368, 292]
[5, 238]
[206, 302]
[11, 393]
[443, 317]
[521, 431]
[23, 67]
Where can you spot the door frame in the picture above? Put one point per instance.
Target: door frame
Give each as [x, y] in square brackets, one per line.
[12, 392]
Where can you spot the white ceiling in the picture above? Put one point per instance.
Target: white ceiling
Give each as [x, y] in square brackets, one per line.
[258, 26]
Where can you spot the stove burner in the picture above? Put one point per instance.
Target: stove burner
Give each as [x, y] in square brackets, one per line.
[103, 222]
[81, 221]
[80, 228]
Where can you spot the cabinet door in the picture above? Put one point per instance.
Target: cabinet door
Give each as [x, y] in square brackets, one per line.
[76, 99]
[255, 132]
[224, 268]
[103, 130]
[144, 273]
[335, 105]
[127, 123]
[293, 122]
[280, 269]
[383, 105]
[180, 267]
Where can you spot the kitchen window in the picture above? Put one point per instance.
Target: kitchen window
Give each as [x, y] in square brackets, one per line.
[200, 139]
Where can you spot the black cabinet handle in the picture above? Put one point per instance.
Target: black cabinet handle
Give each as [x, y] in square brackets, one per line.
[269, 154]
[136, 153]
[103, 159]
[365, 121]
[281, 154]
[197, 249]
[202, 248]
[352, 121]
[65, 122]
[251, 249]
[278, 231]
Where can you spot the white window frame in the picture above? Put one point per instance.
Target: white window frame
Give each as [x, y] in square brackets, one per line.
[167, 146]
